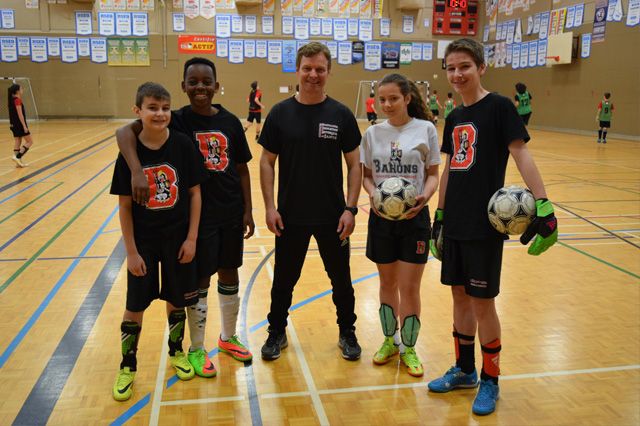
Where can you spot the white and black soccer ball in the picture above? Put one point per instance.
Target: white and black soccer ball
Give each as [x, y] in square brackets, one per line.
[393, 197]
[511, 209]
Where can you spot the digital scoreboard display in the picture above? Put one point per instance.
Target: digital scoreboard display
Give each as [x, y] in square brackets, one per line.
[455, 17]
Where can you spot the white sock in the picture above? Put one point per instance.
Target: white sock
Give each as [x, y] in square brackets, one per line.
[229, 307]
[396, 338]
[197, 319]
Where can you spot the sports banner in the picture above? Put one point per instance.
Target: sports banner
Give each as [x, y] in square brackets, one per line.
[190, 44]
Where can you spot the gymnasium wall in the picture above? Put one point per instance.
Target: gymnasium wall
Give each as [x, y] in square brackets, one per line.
[565, 96]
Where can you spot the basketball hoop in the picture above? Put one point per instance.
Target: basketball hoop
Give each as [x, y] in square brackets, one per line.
[551, 60]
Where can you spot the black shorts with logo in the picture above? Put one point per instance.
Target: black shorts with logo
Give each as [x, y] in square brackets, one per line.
[372, 116]
[405, 240]
[18, 131]
[179, 285]
[220, 248]
[476, 264]
[435, 112]
[254, 116]
[605, 124]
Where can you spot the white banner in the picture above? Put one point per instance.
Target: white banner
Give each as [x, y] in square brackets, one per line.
[344, 52]
[83, 23]
[8, 49]
[106, 23]
[372, 56]
[99, 50]
[68, 50]
[274, 51]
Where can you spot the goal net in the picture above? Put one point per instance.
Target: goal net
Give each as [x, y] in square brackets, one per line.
[366, 87]
[28, 99]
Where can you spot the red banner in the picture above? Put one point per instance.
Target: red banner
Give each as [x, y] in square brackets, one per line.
[196, 44]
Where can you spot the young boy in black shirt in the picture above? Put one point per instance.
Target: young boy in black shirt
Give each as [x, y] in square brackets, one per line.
[160, 237]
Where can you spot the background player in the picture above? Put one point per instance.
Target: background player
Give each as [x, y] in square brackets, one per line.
[162, 232]
[434, 106]
[449, 105]
[372, 114]
[605, 112]
[18, 124]
[399, 248]
[478, 137]
[523, 102]
[255, 108]
[226, 206]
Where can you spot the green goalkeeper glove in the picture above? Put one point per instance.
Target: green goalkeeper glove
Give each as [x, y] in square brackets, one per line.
[435, 243]
[544, 227]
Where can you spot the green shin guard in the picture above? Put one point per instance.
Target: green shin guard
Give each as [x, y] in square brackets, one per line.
[176, 330]
[388, 320]
[130, 334]
[410, 330]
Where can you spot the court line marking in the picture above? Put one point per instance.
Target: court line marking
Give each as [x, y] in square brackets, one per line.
[594, 223]
[302, 360]
[55, 206]
[162, 368]
[204, 400]
[50, 166]
[51, 154]
[54, 290]
[45, 393]
[422, 384]
[30, 202]
[21, 269]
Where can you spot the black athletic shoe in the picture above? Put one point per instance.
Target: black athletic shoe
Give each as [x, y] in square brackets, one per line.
[348, 342]
[275, 342]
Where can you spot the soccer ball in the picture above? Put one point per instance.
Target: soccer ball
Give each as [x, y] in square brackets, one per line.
[393, 197]
[511, 210]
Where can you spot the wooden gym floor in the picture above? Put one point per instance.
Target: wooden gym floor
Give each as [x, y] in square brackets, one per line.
[570, 318]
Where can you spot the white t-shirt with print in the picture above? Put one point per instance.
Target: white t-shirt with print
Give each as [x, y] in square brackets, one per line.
[404, 151]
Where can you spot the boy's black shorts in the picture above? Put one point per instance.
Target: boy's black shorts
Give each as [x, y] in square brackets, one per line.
[254, 115]
[372, 116]
[405, 240]
[606, 124]
[476, 264]
[179, 285]
[435, 112]
[220, 248]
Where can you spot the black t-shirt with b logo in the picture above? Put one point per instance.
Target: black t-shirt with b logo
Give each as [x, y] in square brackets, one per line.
[477, 138]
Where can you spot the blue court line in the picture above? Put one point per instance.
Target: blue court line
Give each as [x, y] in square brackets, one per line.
[54, 258]
[49, 166]
[25, 329]
[45, 394]
[132, 411]
[300, 304]
[55, 206]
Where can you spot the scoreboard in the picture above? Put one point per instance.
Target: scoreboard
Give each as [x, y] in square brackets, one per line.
[455, 17]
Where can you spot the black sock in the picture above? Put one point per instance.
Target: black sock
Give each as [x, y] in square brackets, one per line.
[465, 356]
[467, 361]
[129, 343]
[176, 330]
[604, 135]
[21, 153]
[600, 134]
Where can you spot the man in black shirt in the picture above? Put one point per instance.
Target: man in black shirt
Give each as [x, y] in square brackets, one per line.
[309, 153]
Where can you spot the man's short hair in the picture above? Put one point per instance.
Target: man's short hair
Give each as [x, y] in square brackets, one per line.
[607, 95]
[151, 90]
[469, 46]
[312, 49]
[198, 60]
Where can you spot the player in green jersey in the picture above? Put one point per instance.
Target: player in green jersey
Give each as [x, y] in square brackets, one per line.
[605, 111]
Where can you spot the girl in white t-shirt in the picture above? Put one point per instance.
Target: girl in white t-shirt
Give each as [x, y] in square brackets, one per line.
[405, 145]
